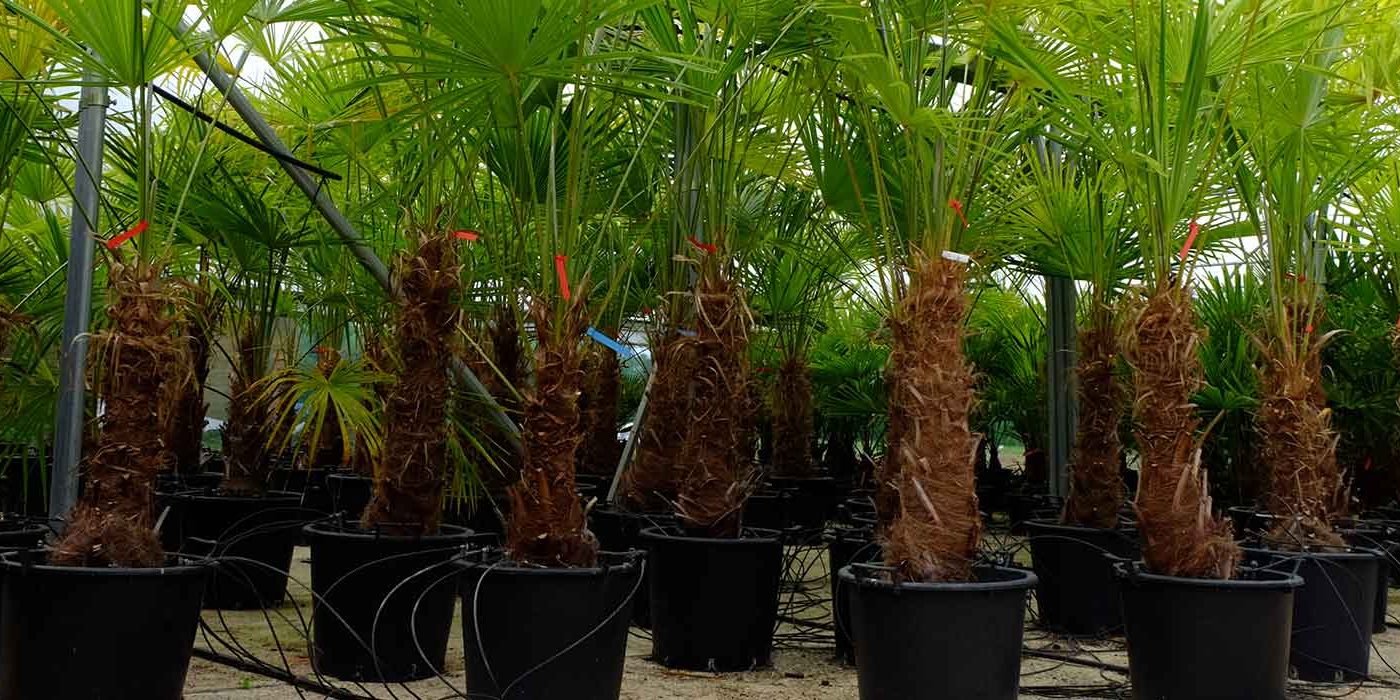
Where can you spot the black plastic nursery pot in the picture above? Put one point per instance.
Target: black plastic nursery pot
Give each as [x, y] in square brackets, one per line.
[383, 603]
[812, 502]
[714, 602]
[18, 533]
[621, 531]
[72, 633]
[350, 493]
[310, 484]
[1377, 540]
[1332, 613]
[848, 545]
[1206, 639]
[1078, 594]
[768, 509]
[532, 633]
[930, 641]
[251, 536]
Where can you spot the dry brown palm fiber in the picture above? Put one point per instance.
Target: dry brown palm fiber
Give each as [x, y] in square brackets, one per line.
[717, 454]
[329, 447]
[412, 471]
[936, 527]
[651, 482]
[1298, 446]
[187, 429]
[1096, 489]
[143, 366]
[886, 471]
[246, 462]
[1181, 536]
[508, 356]
[547, 526]
[598, 406]
[792, 419]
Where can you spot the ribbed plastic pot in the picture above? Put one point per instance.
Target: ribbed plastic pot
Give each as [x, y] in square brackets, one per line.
[1078, 594]
[1375, 539]
[1206, 639]
[18, 533]
[383, 603]
[532, 633]
[931, 641]
[1332, 613]
[714, 602]
[73, 633]
[848, 545]
[251, 536]
[769, 509]
[621, 531]
[813, 500]
[350, 493]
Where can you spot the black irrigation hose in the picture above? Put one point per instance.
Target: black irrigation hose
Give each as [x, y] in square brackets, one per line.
[278, 674]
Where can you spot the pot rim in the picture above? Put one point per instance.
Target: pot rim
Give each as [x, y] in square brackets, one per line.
[1281, 580]
[748, 536]
[628, 562]
[1021, 579]
[269, 496]
[322, 528]
[190, 567]
[1352, 553]
[1051, 525]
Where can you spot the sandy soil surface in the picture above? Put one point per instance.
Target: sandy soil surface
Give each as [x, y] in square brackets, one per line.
[804, 668]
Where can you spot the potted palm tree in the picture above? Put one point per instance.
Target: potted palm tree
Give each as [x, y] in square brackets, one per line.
[107, 574]
[1191, 564]
[930, 621]
[1289, 180]
[1072, 223]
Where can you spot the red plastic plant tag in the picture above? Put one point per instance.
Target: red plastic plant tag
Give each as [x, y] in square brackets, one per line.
[561, 269]
[467, 235]
[1195, 230]
[129, 234]
[957, 206]
[707, 247]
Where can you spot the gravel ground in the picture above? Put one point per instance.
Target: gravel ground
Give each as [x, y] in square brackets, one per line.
[797, 674]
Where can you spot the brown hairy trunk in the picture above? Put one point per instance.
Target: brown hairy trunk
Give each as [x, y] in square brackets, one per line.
[652, 480]
[717, 454]
[792, 419]
[1096, 487]
[143, 368]
[598, 406]
[508, 355]
[187, 429]
[936, 527]
[1298, 447]
[412, 472]
[246, 462]
[1181, 536]
[329, 450]
[547, 525]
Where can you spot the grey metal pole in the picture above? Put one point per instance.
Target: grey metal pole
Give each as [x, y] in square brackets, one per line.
[1060, 379]
[77, 304]
[342, 226]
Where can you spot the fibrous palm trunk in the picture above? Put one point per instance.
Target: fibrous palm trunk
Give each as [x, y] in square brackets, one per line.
[246, 461]
[1096, 488]
[1181, 536]
[598, 406]
[717, 453]
[651, 483]
[547, 526]
[1299, 447]
[143, 367]
[934, 526]
[187, 430]
[792, 419]
[412, 471]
